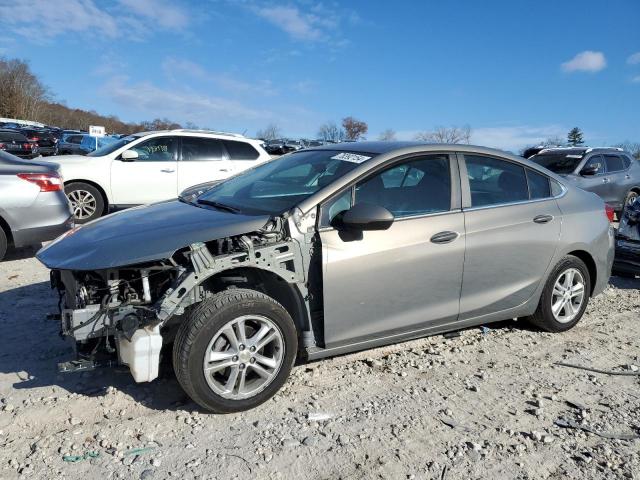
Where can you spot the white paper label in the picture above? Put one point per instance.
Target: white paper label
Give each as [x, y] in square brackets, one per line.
[351, 157]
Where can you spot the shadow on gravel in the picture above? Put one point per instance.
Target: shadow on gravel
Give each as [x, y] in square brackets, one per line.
[21, 253]
[31, 348]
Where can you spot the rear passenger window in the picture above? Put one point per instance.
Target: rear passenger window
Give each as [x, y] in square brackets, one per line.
[614, 163]
[201, 149]
[493, 181]
[539, 186]
[240, 150]
[627, 161]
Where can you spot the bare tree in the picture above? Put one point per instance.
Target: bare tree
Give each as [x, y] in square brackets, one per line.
[331, 132]
[387, 135]
[632, 147]
[21, 93]
[446, 135]
[270, 132]
[354, 129]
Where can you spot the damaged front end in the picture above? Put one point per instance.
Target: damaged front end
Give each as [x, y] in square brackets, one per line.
[123, 315]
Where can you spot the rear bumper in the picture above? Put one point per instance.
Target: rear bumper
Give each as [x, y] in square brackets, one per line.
[31, 236]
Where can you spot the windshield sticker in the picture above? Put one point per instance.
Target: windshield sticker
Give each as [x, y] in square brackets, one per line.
[351, 157]
[574, 156]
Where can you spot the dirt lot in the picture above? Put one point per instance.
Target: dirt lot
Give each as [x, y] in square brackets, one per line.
[482, 405]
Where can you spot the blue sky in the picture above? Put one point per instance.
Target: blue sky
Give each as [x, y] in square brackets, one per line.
[515, 71]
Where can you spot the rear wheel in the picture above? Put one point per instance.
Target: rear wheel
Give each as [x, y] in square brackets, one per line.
[3, 243]
[565, 296]
[87, 203]
[234, 350]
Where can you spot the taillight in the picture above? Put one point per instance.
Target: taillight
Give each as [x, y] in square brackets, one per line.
[34, 139]
[27, 146]
[2, 146]
[46, 181]
[609, 212]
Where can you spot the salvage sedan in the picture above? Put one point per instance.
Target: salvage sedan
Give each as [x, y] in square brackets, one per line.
[323, 252]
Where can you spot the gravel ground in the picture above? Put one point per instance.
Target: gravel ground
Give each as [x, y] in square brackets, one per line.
[480, 405]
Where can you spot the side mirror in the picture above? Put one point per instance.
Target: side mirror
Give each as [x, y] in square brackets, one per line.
[590, 170]
[129, 156]
[364, 216]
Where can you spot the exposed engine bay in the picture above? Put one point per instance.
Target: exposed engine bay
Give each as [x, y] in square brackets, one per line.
[124, 315]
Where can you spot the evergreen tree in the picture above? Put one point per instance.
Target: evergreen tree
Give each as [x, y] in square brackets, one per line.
[574, 137]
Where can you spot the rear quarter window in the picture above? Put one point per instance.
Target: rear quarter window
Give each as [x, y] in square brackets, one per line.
[240, 150]
[539, 186]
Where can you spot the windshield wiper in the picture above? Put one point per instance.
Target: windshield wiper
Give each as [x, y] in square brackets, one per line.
[218, 205]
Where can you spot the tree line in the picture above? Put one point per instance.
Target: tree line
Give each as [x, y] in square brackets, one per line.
[23, 96]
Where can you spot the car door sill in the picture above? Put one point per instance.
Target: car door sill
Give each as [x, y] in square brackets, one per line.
[316, 353]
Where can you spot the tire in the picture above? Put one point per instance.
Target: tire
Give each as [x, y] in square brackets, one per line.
[544, 316]
[3, 243]
[206, 331]
[630, 198]
[87, 202]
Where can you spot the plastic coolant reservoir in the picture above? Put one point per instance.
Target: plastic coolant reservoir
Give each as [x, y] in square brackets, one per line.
[142, 353]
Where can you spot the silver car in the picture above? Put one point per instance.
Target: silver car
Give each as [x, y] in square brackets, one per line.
[323, 252]
[33, 206]
[611, 173]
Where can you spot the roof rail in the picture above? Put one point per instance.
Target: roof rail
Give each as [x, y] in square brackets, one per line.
[591, 149]
[193, 130]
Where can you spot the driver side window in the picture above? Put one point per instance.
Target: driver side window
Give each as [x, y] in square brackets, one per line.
[159, 149]
[596, 161]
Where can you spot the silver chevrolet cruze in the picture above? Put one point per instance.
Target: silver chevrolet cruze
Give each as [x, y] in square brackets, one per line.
[328, 251]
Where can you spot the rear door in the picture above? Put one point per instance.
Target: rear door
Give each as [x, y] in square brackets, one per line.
[512, 232]
[152, 177]
[202, 160]
[620, 181]
[408, 277]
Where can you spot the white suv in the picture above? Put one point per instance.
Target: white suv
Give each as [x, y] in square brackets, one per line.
[152, 166]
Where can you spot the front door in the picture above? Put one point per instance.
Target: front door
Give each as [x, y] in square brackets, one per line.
[599, 182]
[152, 177]
[202, 160]
[513, 228]
[407, 277]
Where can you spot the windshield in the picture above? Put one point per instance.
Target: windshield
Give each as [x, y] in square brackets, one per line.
[277, 186]
[560, 163]
[107, 149]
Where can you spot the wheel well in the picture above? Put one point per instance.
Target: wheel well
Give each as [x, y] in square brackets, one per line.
[268, 283]
[93, 184]
[591, 266]
[6, 229]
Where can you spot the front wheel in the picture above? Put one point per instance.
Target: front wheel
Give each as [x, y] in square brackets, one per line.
[565, 296]
[234, 350]
[632, 197]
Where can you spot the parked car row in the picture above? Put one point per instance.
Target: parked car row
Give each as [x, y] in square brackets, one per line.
[281, 146]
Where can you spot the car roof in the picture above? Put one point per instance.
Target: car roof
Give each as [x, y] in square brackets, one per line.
[381, 147]
[579, 150]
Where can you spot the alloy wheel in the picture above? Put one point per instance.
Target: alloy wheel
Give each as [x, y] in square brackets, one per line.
[568, 295]
[243, 357]
[631, 199]
[83, 204]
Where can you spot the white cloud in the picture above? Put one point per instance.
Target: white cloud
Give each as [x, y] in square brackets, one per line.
[587, 61]
[300, 26]
[176, 69]
[42, 20]
[634, 59]
[151, 101]
[158, 11]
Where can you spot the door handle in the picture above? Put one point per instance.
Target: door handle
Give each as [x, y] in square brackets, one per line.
[223, 170]
[444, 237]
[543, 218]
[605, 180]
[167, 170]
[627, 177]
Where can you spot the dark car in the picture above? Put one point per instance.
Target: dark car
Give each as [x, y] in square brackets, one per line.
[47, 143]
[611, 173]
[17, 144]
[69, 144]
[275, 147]
[627, 260]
